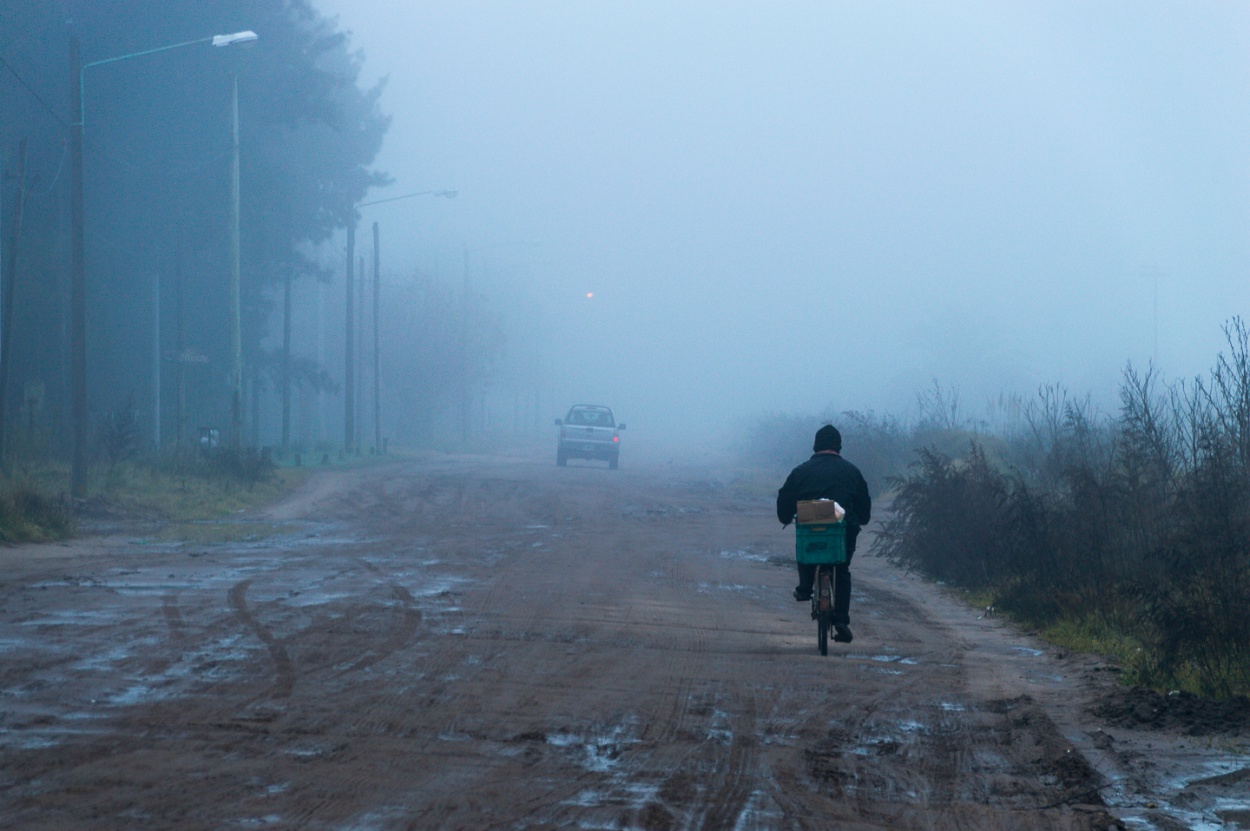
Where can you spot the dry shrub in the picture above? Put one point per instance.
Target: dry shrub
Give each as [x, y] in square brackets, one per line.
[27, 515]
[1140, 522]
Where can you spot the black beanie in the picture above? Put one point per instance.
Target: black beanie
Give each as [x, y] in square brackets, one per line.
[827, 438]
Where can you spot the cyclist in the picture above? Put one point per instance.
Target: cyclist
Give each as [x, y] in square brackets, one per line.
[826, 475]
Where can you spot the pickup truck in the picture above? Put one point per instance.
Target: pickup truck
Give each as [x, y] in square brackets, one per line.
[589, 431]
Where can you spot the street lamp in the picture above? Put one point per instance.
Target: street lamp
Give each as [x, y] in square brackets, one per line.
[78, 280]
[349, 373]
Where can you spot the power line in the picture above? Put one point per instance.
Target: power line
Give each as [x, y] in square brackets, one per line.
[167, 170]
[34, 94]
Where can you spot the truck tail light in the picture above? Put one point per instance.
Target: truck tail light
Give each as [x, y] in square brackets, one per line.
[616, 438]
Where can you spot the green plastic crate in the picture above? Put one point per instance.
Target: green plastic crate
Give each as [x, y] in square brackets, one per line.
[820, 543]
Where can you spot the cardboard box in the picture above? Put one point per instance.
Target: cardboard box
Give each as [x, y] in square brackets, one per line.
[820, 510]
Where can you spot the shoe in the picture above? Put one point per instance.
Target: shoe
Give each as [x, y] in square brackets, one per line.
[801, 596]
[842, 633]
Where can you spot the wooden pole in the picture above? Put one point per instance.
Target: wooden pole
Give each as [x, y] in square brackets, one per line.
[349, 359]
[360, 346]
[78, 288]
[286, 358]
[377, 360]
[236, 337]
[179, 349]
[8, 296]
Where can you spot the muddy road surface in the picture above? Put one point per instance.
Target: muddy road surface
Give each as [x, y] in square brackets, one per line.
[474, 643]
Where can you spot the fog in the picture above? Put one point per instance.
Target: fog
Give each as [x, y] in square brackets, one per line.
[803, 207]
[700, 214]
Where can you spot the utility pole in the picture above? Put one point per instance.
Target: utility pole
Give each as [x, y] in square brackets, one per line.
[349, 362]
[349, 359]
[466, 395]
[286, 358]
[180, 348]
[377, 360]
[156, 359]
[360, 346]
[8, 296]
[78, 287]
[236, 338]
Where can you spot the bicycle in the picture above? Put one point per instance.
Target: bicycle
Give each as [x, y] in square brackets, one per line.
[822, 544]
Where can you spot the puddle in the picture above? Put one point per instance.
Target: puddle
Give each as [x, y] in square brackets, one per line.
[71, 617]
[705, 588]
[37, 742]
[1024, 650]
[1045, 676]
[268, 819]
[1220, 813]
[719, 730]
[745, 554]
[876, 746]
[885, 658]
[302, 600]
[436, 587]
[309, 751]
[378, 819]
[135, 694]
[43, 736]
[599, 753]
[586, 799]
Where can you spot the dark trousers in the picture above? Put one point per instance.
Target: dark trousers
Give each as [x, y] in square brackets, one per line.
[841, 587]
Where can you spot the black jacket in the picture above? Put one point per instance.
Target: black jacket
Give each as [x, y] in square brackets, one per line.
[827, 476]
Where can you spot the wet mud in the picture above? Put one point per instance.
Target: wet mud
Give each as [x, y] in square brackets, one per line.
[478, 643]
[1177, 711]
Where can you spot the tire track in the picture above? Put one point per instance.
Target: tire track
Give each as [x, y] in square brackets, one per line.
[157, 662]
[173, 618]
[728, 798]
[680, 667]
[284, 682]
[409, 620]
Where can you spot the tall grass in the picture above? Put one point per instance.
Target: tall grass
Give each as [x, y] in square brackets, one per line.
[29, 515]
[190, 485]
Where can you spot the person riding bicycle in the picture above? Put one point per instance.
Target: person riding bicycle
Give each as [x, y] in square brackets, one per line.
[826, 475]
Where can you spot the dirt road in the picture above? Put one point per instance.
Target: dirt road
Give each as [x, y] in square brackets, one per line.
[498, 643]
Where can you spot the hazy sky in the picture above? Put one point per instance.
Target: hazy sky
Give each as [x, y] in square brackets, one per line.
[789, 206]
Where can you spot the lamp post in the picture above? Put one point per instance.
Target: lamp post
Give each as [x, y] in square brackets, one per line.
[349, 373]
[78, 279]
[236, 335]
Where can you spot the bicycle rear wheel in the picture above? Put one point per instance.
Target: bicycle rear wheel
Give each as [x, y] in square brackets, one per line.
[824, 616]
